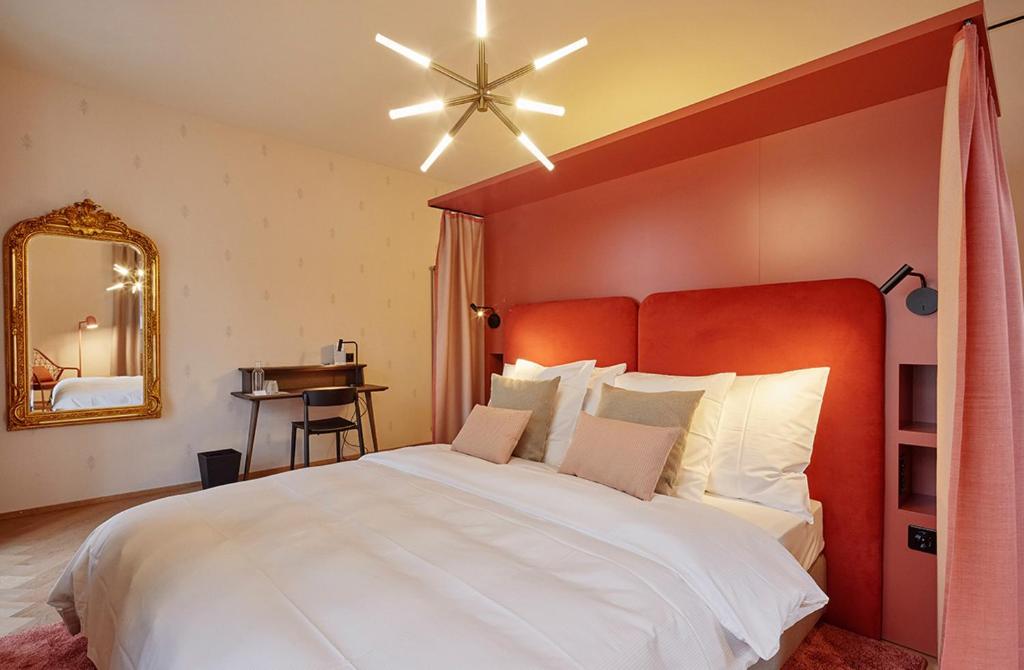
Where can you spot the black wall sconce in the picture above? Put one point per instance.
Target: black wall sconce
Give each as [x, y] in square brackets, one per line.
[493, 320]
[923, 300]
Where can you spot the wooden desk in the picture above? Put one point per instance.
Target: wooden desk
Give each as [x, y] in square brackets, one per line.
[293, 380]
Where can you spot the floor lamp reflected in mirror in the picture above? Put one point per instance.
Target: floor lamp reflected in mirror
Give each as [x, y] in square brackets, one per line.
[89, 323]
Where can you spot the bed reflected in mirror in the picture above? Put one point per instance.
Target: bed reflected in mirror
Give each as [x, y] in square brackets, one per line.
[84, 323]
[82, 320]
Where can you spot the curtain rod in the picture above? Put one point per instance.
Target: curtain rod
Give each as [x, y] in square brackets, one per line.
[1006, 22]
[458, 211]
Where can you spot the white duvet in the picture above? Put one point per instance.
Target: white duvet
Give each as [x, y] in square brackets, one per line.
[96, 392]
[425, 558]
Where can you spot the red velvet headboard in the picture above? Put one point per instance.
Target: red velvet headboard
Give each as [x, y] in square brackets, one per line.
[550, 333]
[773, 328]
[759, 329]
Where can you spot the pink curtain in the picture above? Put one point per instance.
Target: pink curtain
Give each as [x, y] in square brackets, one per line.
[458, 338]
[981, 380]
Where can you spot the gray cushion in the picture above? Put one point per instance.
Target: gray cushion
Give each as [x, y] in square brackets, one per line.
[536, 396]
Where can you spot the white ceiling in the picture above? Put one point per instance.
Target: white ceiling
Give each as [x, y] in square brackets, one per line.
[310, 71]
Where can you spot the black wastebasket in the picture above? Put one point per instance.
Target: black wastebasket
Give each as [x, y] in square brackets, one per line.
[219, 467]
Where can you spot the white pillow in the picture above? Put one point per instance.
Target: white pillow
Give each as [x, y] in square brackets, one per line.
[568, 402]
[765, 439]
[693, 475]
[598, 378]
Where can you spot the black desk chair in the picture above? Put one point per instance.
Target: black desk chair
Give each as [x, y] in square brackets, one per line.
[327, 397]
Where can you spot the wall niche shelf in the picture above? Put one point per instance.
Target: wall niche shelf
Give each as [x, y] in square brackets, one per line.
[917, 399]
[917, 479]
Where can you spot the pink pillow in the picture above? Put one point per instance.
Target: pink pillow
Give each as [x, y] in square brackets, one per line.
[491, 433]
[625, 456]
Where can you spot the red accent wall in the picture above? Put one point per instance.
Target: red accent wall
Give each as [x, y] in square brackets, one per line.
[852, 196]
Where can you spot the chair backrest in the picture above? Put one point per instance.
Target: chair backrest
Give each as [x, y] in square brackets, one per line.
[41, 360]
[41, 374]
[329, 397]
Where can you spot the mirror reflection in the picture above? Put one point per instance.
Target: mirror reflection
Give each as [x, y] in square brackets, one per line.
[85, 323]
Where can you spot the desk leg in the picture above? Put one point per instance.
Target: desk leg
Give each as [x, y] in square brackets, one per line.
[373, 423]
[253, 414]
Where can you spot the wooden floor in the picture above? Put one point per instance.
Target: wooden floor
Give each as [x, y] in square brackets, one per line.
[33, 552]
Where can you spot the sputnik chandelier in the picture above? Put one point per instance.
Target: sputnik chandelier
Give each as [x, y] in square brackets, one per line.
[483, 98]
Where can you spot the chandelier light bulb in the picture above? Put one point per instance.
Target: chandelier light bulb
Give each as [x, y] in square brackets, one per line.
[532, 148]
[415, 57]
[542, 107]
[481, 18]
[415, 110]
[438, 150]
[560, 53]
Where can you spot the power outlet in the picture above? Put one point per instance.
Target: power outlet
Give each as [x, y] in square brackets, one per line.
[922, 539]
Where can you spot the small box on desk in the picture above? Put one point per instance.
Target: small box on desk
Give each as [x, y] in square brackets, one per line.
[219, 467]
[331, 356]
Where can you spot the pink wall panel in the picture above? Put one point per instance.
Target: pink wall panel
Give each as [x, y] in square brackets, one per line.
[853, 196]
[690, 224]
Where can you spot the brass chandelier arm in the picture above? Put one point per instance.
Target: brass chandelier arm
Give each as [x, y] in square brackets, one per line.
[481, 64]
[501, 99]
[514, 74]
[462, 120]
[504, 119]
[437, 67]
[461, 100]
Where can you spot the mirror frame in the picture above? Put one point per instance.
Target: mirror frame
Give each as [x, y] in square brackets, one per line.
[85, 220]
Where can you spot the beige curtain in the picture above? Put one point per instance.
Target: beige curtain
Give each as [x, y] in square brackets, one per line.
[458, 357]
[126, 349]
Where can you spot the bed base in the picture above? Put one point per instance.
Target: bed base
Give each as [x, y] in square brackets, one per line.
[795, 634]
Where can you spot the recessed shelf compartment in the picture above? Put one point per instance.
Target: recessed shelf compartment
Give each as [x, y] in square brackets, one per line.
[917, 479]
[917, 398]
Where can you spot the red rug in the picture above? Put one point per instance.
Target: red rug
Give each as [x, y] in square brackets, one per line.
[44, 648]
[826, 648]
[837, 649]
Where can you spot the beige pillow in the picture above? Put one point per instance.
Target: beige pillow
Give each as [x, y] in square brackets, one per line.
[491, 433]
[536, 396]
[625, 456]
[668, 408]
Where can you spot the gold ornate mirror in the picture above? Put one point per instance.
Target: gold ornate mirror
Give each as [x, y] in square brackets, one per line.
[82, 317]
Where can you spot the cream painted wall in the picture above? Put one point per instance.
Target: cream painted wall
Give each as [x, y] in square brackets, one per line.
[269, 250]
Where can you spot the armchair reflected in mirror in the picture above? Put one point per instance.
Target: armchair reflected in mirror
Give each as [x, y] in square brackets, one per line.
[82, 320]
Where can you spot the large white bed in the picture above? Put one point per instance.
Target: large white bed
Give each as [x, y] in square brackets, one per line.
[424, 557]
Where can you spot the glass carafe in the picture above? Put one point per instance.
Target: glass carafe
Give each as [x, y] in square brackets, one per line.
[258, 377]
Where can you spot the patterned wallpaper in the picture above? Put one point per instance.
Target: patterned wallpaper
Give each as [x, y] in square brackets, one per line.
[269, 251]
